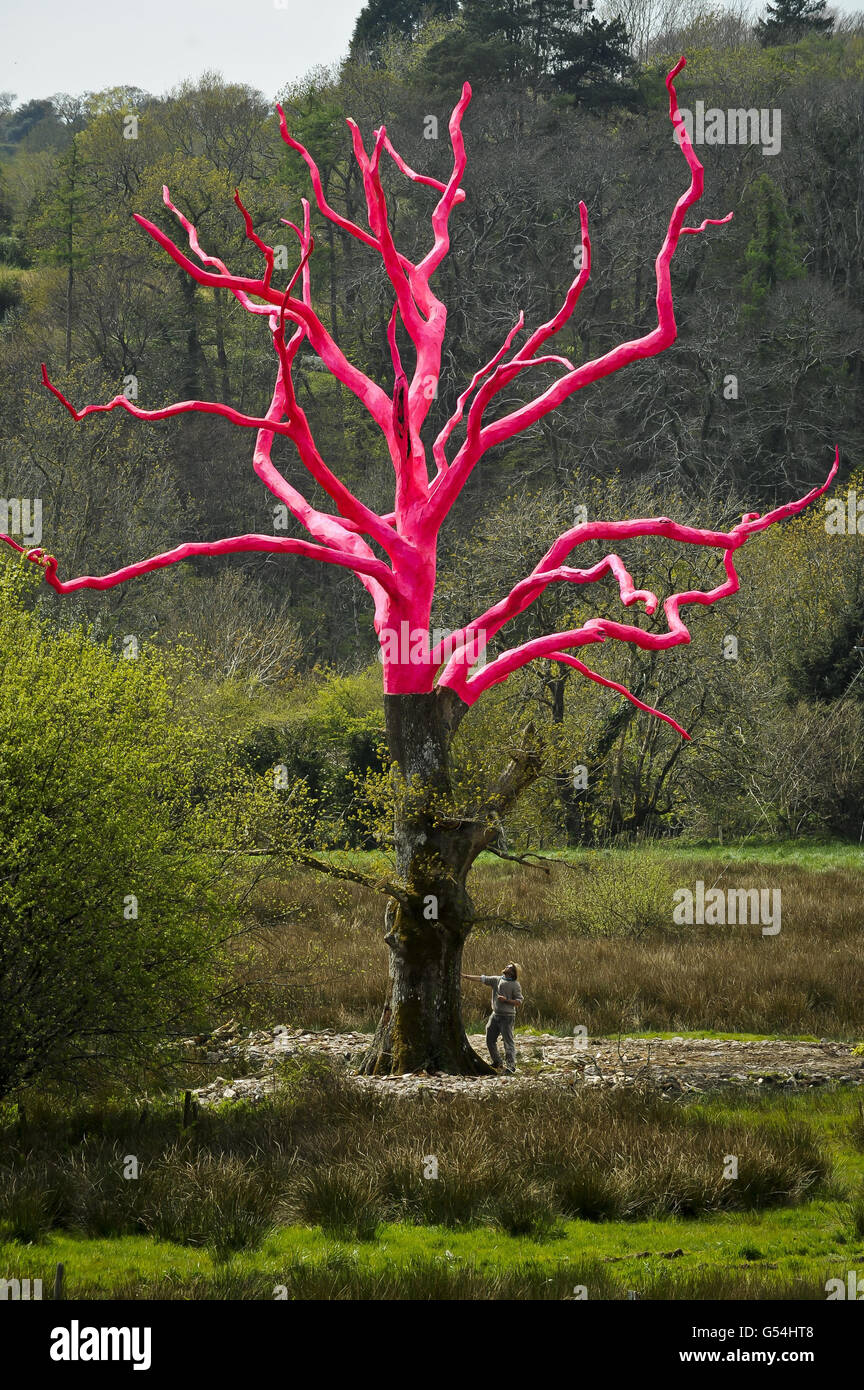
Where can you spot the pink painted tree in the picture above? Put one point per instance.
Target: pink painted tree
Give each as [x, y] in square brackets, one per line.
[429, 688]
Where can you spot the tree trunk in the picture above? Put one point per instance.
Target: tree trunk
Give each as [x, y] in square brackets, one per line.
[421, 1025]
[69, 284]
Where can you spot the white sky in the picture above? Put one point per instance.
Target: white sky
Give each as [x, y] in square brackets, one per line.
[76, 46]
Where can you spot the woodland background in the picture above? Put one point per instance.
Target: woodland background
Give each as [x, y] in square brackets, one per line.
[155, 880]
[277, 656]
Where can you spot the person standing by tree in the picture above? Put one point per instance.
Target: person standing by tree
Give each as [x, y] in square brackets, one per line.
[506, 999]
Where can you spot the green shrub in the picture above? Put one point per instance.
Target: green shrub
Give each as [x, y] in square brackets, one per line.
[616, 895]
[12, 251]
[27, 1211]
[588, 1190]
[855, 1214]
[11, 293]
[111, 908]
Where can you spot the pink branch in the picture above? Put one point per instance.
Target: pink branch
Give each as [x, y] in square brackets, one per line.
[438, 447]
[423, 315]
[163, 412]
[395, 356]
[622, 690]
[450, 196]
[205, 259]
[412, 174]
[426, 333]
[323, 206]
[526, 592]
[480, 438]
[356, 517]
[457, 675]
[403, 594]
[366, 391]
[429, 362]
[338, 533]
[296, 429]
[265, 249]
[397, 266]
[565, 313]
[276, 545]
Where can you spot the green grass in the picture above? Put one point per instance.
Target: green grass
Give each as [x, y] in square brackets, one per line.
[815, 855]
[820, 856]
[782, 1251]
[706, 1033]
[803, 1246]
[834, 1116]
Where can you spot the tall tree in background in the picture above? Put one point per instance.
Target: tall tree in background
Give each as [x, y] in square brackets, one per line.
[431, 683]
[595, 60]
[18, 123]
[62, 220]
[773, 254]
[787, 21]
[547, 45]
[381, 18]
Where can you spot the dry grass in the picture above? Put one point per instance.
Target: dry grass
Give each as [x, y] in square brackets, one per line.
[325, 965]
[323, 1153]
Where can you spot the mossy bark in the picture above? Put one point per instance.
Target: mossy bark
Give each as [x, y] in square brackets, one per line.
[421, 1024]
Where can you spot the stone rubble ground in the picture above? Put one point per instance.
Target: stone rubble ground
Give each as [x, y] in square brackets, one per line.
[673, 1066]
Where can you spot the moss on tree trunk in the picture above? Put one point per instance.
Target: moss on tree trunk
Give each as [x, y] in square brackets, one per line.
[421, 1028]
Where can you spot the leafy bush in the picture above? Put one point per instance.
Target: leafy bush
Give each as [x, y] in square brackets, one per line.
[11, 293]
[12, 251]
[617, 895]
[111, 909]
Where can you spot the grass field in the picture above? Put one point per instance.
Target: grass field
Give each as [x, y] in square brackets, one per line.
[323, 1195]
[789, 1254]
[324, 1191]
[597, 944]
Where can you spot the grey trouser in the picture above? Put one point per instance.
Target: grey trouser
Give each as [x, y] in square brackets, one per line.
[501, 1025]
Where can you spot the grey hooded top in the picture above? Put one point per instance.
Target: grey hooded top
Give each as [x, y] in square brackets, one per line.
[504, 991]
